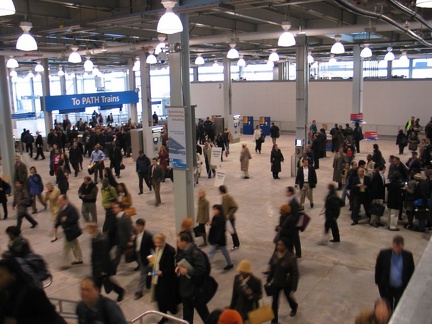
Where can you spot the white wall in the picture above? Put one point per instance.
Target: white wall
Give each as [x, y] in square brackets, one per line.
[387, 104]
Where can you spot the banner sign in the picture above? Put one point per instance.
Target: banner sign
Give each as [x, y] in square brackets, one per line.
[177, 137]
[215, 157]
[371, 136]
[219, 178]
[356, 117]
[73, 102]
[24, 115]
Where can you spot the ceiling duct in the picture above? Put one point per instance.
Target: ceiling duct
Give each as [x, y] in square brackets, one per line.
[414, 15]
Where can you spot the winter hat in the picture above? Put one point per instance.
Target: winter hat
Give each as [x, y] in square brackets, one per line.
[230, 316]
[244, 266]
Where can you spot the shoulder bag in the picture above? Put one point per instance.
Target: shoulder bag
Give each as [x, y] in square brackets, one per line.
[261, 315]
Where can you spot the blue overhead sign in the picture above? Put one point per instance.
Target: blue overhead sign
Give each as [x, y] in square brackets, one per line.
[24, 115]
[73, 102]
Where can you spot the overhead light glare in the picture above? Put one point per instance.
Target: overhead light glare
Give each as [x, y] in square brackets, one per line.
[310, 58]
[137, 66]
[13, 74]
[241, 61]
[270, 64]
[26, 42]
[424, 3]
[74, 57]
[7, 8]
[233, 53]
[12, 63]
[169, 23]
[60, 72]
[332, 59]
[389, 56]
[30, 75]
[39, 68]
[337, 47]
[199, 60]
[274, 57]
[286, 39]
[151, 59]
[366, 52]
[403, 57]
[88, 65]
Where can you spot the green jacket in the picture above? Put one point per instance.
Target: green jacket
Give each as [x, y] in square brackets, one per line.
[108, 193]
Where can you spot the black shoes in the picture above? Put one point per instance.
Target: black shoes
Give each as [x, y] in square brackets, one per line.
[335, 241]
[229, 267]
[312, 205]
[34, 225]
[140, 193]
[137, 296]
[76, 262]
[293, 312]
[354, 223]
[121, 296]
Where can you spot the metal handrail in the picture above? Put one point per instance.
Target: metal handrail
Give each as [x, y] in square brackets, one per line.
[48, 283]
[150, 312]
[60, 310]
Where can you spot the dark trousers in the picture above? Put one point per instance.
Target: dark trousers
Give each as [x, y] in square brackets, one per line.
[293, 241]
[391, 294]
[143, 176]
[275, 302]
[331, 223]
[316, 160]
[401, 148]
[26, 216]
[29, 149]
[98, 168]
[357, 145]
[188, 310]
[356, 203]
[235, 239]
[258, 144]
[5, 210]
[109, 227]
[107, 283]
[39, 151]
[75, 166]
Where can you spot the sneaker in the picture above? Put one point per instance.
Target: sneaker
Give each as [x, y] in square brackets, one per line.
[229, 267]
[234, 248]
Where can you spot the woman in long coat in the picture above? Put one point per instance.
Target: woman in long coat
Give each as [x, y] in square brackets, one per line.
[338, 165]
[164, 281]
[51, 196]
[245, 156]
[276, 158]
[394, 199]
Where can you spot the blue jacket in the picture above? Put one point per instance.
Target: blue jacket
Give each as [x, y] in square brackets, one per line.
[35, 185]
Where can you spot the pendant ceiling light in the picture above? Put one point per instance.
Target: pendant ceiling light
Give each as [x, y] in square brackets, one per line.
[241, 61]
[95, 71]
[199, 60]
[366, 52]
[169, 23]
[7, 8]
[332, 59]
[424, 3]
[215, 64]
[74, 57]
[337, 47]
[39, 68]
[26, 42]
[60, 72]
[161, 45]
[137, 66]
[389, 56]
[270, 64]
[404, 57]
[233, 53]
[88, 64]
[12, 63]
[286, 39]
[310, 58]
[13, 73]
[30, 75]
[151, 59]
[274, 57]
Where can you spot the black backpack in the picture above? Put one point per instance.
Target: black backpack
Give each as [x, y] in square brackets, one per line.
[35, 266]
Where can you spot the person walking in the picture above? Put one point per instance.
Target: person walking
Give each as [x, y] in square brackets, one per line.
[39, 146]
[87, 192]
[21, 173]
[156, 175]
[97, 159]
[306, 180]
[401, 141]
[75, 157]
[276, 158]
[203, 216]
[123, 232]
[360, 195]
[51, 197]
[68, 218]
[287, 227]
[394, 199]
[357, 136]
[229, 208]
[274, 133]
[4, 187]
[245, 156]
[22, 201]
[36, 188]
[116, 158]
[332, 205]
[109, 194]
[339, 161]
[142, 168]
[217, 238]
[227, 137]
[283, 276]
[377, 194]
[393, 270]
[257, 139]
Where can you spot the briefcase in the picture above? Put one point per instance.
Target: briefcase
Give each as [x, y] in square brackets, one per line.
[303, 222]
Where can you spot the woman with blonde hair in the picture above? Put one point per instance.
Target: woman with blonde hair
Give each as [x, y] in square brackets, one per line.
[164, 279]
[51, 195]
[186, 227]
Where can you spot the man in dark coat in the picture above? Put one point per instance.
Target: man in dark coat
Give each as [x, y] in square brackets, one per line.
[414, 164]
[217, 237]
[377, 193]
[102, 267]
[68, 218]
[393, 270]
[190, 278]
[156, 176]
[142, 168]
[274, 133]
[21, 173]
[22, 200]
[332, 211]
[124, 232]
[116, 158]
[360, 195]
[39, 146]
[306, 180]
[144, 247]
[75, 157]
[29, 140]
[4, 187]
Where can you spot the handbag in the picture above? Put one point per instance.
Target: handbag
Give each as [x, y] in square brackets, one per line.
[268, 288]
[261, 315]
[197, 231]
[303, 222]
[122, 166]
[131, 211]
[130, 255]
[377, 209]
[205, 292]
[73, 232]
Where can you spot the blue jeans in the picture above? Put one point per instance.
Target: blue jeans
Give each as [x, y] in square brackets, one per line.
[223, 249]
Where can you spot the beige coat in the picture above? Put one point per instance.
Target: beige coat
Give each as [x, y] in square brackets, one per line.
[245, 156]
[203, 214]
[52, 197]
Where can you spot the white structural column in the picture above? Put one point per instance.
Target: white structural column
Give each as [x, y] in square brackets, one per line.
[357, 83]
[227, 90]
[302, 87]
[46, 92]
[131, 86]
[180, 97]
[7, 143]
[146, 113]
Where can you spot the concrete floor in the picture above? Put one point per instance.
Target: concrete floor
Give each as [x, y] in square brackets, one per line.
[337, 280]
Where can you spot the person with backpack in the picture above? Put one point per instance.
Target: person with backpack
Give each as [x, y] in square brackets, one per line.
[18, 246]
[22, 201]
[193, 267]
[36, 188]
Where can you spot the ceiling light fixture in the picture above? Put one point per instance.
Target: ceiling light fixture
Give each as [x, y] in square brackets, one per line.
[169, 23]
[366, 51]
[60, 72]
[270, 64]
[74, 57]
[137, 66]
[30, 75]
[337, 47]
[241, 61]
[26, 42]
[39, 67]
[199, 60]
[424, 3]
[233, 53]
[274, 57]
[286, 39]
[7, 8]
[13, 73]
[151, 59]
[389, 56]
[332, 59]
[88, 64]
[403, 57]
[310, 58]
[215, 64]
[12, 63]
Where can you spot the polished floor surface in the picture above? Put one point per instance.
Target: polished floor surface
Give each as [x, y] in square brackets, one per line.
[337, 279]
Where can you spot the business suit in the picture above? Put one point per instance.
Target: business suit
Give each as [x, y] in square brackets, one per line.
[72, 216]
[124, 231]
[382, 275]
[156, 176]
[242, 302]
[377, 194]
[145, 249]
[306, 187]
[360, 195]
